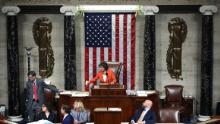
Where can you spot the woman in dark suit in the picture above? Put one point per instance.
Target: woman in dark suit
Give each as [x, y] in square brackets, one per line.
[47, 113]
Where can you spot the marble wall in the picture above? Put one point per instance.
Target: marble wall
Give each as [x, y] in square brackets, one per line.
[190, 53]
[3, 61]
[216, 57]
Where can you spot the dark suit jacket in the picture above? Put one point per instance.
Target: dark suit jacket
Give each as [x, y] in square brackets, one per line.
[51, 117]
[68, 119]
[149, 118]
[40, 92]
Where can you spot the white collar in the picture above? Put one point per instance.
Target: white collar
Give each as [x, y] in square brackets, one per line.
[146, 109]
[35, 81]
[64, 116]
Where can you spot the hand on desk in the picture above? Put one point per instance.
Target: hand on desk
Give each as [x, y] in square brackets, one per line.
[75, 122]
[60, 90]
[107, 83]
[141, 122]
[87, 82]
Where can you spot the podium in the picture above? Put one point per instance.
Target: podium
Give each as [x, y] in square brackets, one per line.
[108, 90]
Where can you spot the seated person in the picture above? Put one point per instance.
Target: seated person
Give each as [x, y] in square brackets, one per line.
[47, 113]
[67, 118]
[80, 115]
[144, 115]
[105, 75]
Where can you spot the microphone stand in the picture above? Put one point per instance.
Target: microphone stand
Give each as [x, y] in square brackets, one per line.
[28, 52]
[107, 77]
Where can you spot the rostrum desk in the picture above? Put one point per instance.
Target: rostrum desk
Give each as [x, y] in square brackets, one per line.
[128, 104]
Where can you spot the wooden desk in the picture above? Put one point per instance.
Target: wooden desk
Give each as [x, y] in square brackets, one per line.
[107, 117]
[128, 104]
[2, 120]
[108, 92]
[189, 106]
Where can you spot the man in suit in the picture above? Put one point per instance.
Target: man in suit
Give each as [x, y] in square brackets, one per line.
[67, 118]
[144, 115]
[35, 95]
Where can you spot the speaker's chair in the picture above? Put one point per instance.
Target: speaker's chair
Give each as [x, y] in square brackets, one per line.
[116, 67]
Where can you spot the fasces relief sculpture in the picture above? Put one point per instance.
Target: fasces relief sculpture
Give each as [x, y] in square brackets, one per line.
[178, 30]
[42, 29]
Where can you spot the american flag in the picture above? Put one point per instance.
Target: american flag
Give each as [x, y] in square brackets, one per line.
[110, 37]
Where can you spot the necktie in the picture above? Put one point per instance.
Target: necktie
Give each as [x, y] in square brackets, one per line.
[142, 116]
[35, 91]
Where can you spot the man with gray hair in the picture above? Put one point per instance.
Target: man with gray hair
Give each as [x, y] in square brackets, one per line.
[144, 115]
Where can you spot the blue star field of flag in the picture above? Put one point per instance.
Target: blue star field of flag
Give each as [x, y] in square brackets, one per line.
[98, 30]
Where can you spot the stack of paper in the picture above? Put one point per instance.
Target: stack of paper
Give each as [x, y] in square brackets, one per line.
[114, 109]
[124, 122]
[41, 122]
[100, 109]
[65, 93]
[150, 91]
[145, 92]
[141, 93]
[75, 93]
[131, 92]
[79, 94]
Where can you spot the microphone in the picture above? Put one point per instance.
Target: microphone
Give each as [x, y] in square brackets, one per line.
[106, 73]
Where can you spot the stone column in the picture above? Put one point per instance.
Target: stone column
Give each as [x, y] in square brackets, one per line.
[12, 60]
[207, 59]
[149, 47]
[69, 47]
